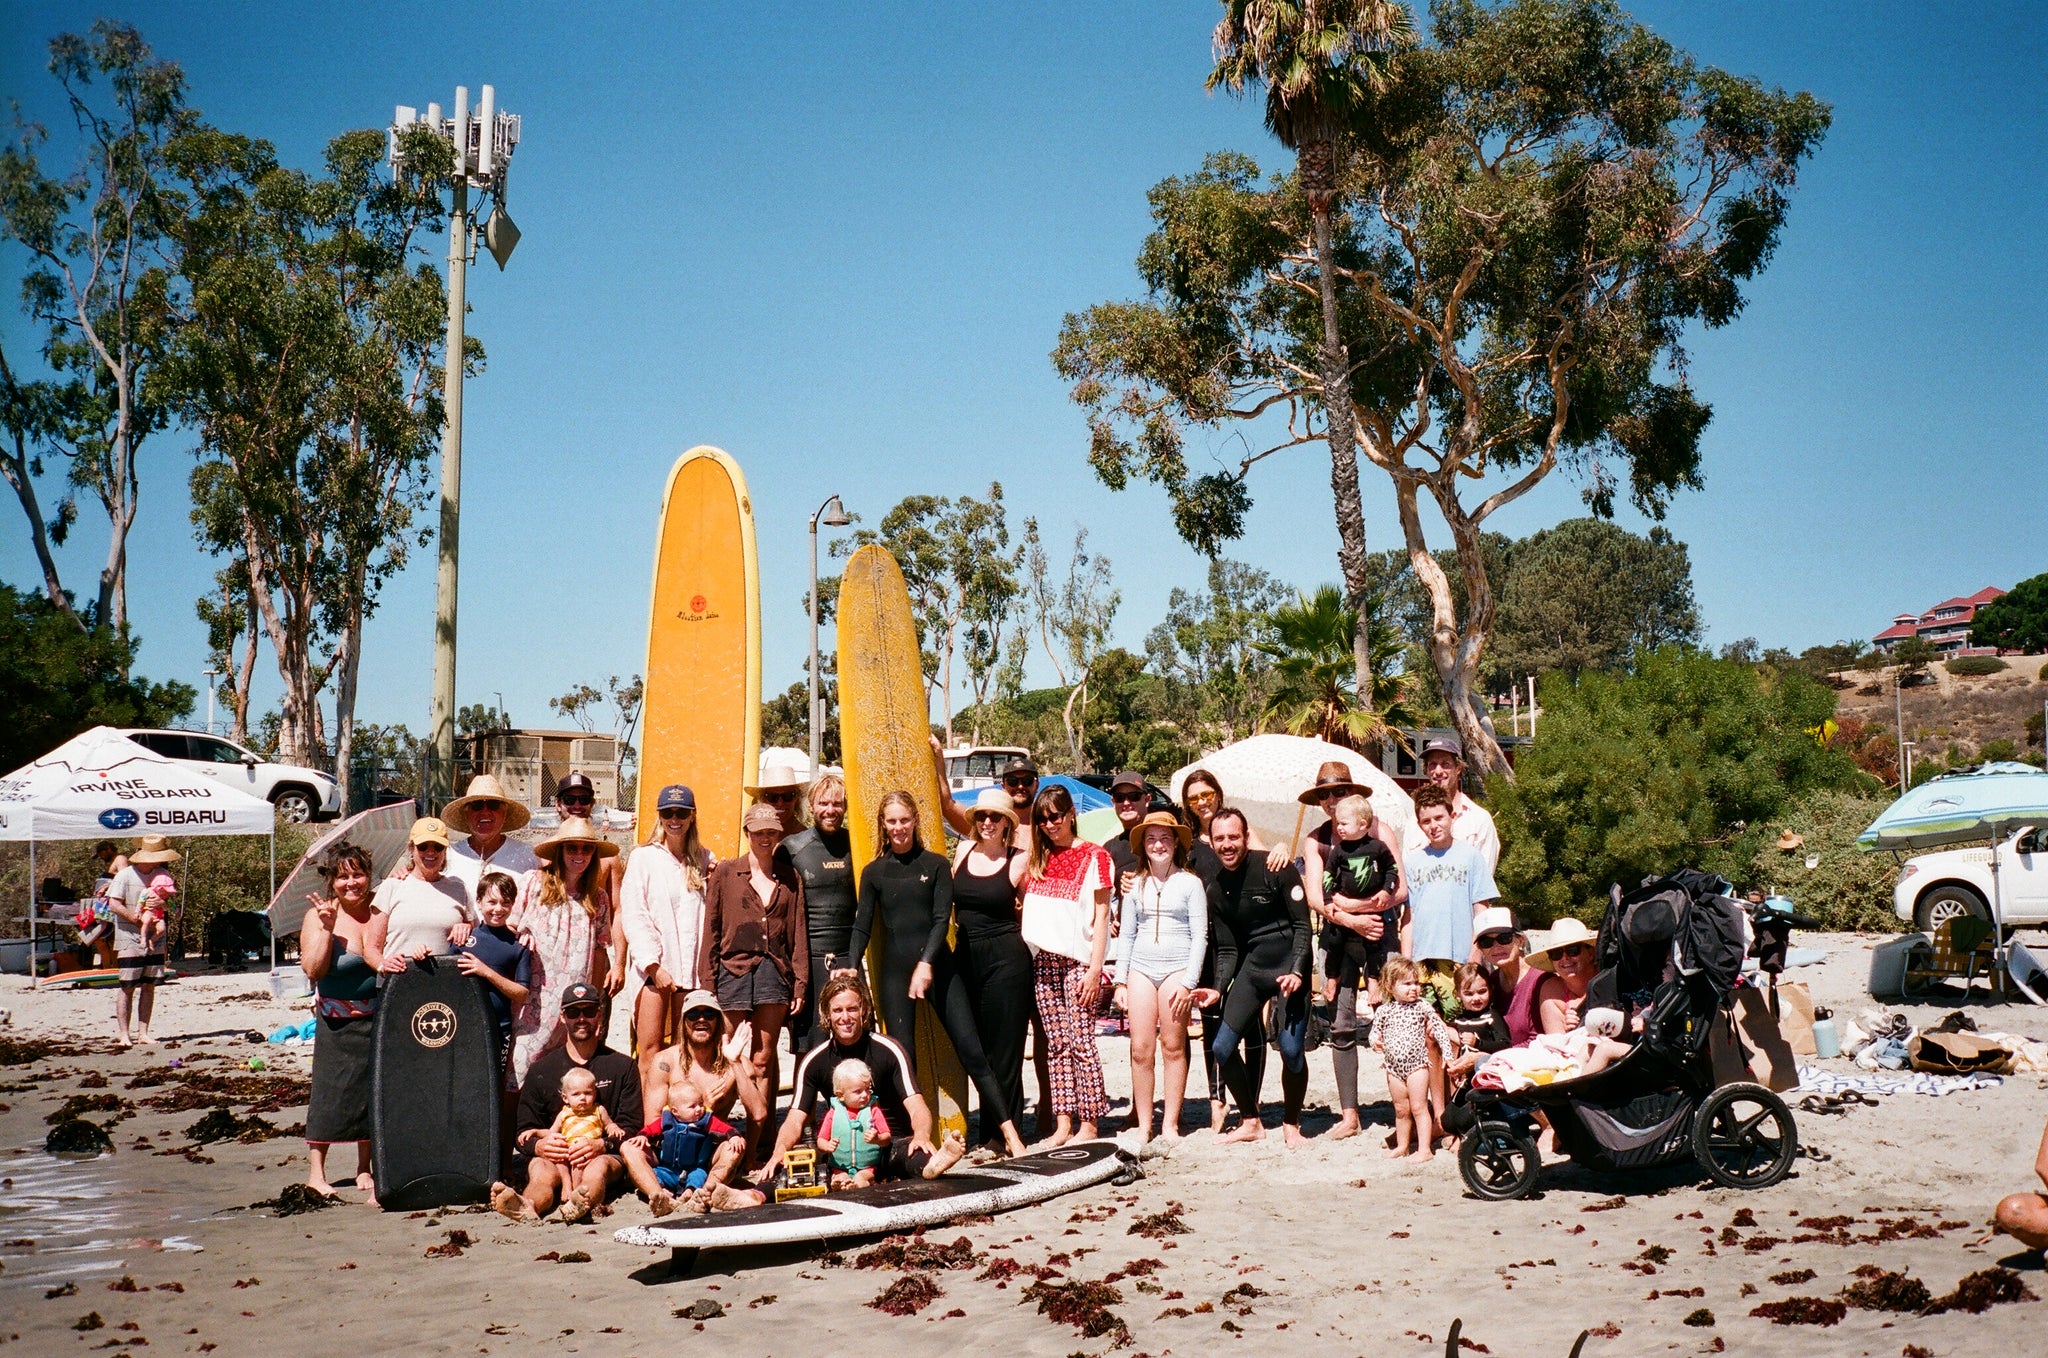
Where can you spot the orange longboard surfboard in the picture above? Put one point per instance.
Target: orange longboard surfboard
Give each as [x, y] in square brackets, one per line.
[885, 738]
[702, 718]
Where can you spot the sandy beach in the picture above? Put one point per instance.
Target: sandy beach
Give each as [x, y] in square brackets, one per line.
[1327, 1249]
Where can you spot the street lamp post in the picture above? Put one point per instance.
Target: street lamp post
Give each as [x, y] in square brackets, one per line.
[210, 674]
[833, 515]
[483, 142]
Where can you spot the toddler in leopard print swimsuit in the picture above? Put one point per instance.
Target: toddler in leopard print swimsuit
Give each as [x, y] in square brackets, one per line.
[1402, 1030]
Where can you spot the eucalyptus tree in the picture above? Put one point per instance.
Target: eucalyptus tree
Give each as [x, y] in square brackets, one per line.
[1542, 199]
[1318, 61]
[94, 239]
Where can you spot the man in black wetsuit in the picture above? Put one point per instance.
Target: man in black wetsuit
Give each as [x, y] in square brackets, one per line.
[823, 856]
[849, 1022]
[1264, 956]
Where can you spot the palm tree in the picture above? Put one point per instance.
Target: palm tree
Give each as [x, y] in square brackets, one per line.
[1318, 60]
[1317, 692]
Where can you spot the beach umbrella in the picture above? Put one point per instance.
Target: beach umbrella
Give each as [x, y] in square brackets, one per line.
[1982, 805]
[380, 832]
[1265, 776]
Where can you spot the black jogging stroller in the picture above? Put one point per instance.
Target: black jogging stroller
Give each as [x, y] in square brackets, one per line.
[1672, 951]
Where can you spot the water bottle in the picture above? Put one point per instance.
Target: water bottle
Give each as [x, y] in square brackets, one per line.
[1825, 1043]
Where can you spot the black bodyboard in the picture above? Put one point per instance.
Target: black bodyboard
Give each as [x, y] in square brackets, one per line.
[434, 1082]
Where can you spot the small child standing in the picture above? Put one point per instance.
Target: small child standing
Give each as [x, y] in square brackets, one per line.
[852, 1134]
[694, 1152]
[155, 905]
[1402, 1032]
[497, 957]
[583, 1119]
[1356, 865]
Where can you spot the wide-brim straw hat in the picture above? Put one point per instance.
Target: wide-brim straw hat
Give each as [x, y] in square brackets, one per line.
[485, 788]
[777, 778]
[997, 802]
[1333, 776]
[1789, 841]
[1563, 934]
[1164, 820]
[152, 849]
[575, 830]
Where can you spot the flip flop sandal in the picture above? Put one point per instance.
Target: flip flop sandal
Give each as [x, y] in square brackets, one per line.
[1826, 1106]
[1819, 1157]
[1852, 1097]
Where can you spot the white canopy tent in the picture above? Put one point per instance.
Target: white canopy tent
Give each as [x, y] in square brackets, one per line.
[101, 784]
[1265, 775]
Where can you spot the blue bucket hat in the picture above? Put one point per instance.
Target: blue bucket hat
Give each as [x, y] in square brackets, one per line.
[675, 796]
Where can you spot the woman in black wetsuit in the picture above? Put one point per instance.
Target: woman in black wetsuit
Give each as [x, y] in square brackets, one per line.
[912, 889]
[1264, 957]
[995, 965]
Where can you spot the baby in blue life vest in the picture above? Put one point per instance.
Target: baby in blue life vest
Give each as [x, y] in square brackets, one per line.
[852, 1133]
[690, 1146]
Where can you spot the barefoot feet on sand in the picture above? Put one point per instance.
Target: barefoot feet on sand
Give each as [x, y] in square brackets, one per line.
[726, 1198]
[1346, 1128]
[662, 1203]
[1247, 1129]
[508, 1203]
[948, 1154]
[1290, 1132]
[576, 1207]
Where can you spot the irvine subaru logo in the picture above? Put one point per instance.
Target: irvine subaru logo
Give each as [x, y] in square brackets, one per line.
[118, 818]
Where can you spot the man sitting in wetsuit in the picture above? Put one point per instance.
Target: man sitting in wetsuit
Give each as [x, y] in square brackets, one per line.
[1265, 920]
[823, 856]
[849, 1019]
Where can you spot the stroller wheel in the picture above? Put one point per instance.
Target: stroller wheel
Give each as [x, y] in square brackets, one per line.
[1744, 1137]
[1498, 1162]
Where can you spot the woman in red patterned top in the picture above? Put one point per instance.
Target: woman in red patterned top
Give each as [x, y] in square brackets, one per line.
[1066, 922]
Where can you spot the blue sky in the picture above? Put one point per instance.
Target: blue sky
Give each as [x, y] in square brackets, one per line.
[838, 242]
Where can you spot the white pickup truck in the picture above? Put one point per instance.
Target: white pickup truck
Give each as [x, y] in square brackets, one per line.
[300, 795]
[1937, 886]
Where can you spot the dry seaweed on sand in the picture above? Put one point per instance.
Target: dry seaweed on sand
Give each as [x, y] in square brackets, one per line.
[1161, 1224]
[78, 1137]
[704, 1308]
[1793, 1277]
[1802, 1311]
[455, 1244]
[78, 1105]
[1882, 1290]
[20, 1051]
[293, 1199]
[222, 1125]
[1981, 1290]
[1700, 1318]
[1084, 1305]
[914, 1252]
[908, 1295]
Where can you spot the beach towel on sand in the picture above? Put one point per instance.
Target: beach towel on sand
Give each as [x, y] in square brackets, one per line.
[1814, 1080]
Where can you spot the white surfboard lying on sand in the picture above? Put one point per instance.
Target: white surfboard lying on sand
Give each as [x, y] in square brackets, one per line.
[902, 1205]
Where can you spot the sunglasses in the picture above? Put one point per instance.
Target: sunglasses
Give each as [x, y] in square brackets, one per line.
[576, 801]
[779, 798]
[430, 848]
[1496, 940]
[983, 816]
[677, 813]
[487, 806]
[1020, 782]
[1203, 797]
[1573, 950]
[581, 1011]
[702, 1016]
[1137, 796]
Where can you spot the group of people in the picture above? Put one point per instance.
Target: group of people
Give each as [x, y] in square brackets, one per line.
[1022, 940]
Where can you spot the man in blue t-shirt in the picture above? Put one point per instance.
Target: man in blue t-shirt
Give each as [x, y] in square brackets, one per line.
[1449, 883]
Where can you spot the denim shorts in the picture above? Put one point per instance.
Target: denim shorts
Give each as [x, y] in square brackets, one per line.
[746, 991]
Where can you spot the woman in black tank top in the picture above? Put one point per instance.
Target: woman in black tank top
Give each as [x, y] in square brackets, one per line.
[994, 964]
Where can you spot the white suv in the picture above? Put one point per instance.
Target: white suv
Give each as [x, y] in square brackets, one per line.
[300, 795]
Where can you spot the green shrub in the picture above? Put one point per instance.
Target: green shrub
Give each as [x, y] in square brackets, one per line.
[1995, 751]
[1848, 888]
[1973, 666]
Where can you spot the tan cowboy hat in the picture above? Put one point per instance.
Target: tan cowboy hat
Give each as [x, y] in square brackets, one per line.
[1333, 776]
[485, 788]
[575, 830]
[1563, 934]
[777, 778]
[1164, 820]
[152, 849]
[994, 801]
[1790, 841]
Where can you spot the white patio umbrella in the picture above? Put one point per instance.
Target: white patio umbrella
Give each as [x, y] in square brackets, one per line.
[100, 783]
[1264, 777]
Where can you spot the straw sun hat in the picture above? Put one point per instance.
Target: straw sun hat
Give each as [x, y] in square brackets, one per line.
[484, 788]
[1164, 820]
[152, 849]
[778, 778]
[1563, 934]
[575, 830]
[994, 801]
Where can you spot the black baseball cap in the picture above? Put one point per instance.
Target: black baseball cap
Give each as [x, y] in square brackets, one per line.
[1020, 764]
[1127, 778]
[581, 994]
[576, 782]
[1444, 745]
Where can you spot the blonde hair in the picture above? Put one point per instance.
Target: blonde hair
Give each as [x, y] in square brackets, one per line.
[1353, 807]
[850, 1075]
[676, 1088]
[693, 852]
[890, 799]
[822, 784]
[1398, 969]
[554, 887]
[580, 1075]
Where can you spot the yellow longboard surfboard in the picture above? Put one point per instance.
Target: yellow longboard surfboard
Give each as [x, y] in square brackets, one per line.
[885, 737]
[701, 721]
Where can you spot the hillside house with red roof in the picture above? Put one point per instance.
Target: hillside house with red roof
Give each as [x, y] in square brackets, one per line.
[1945, 627]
